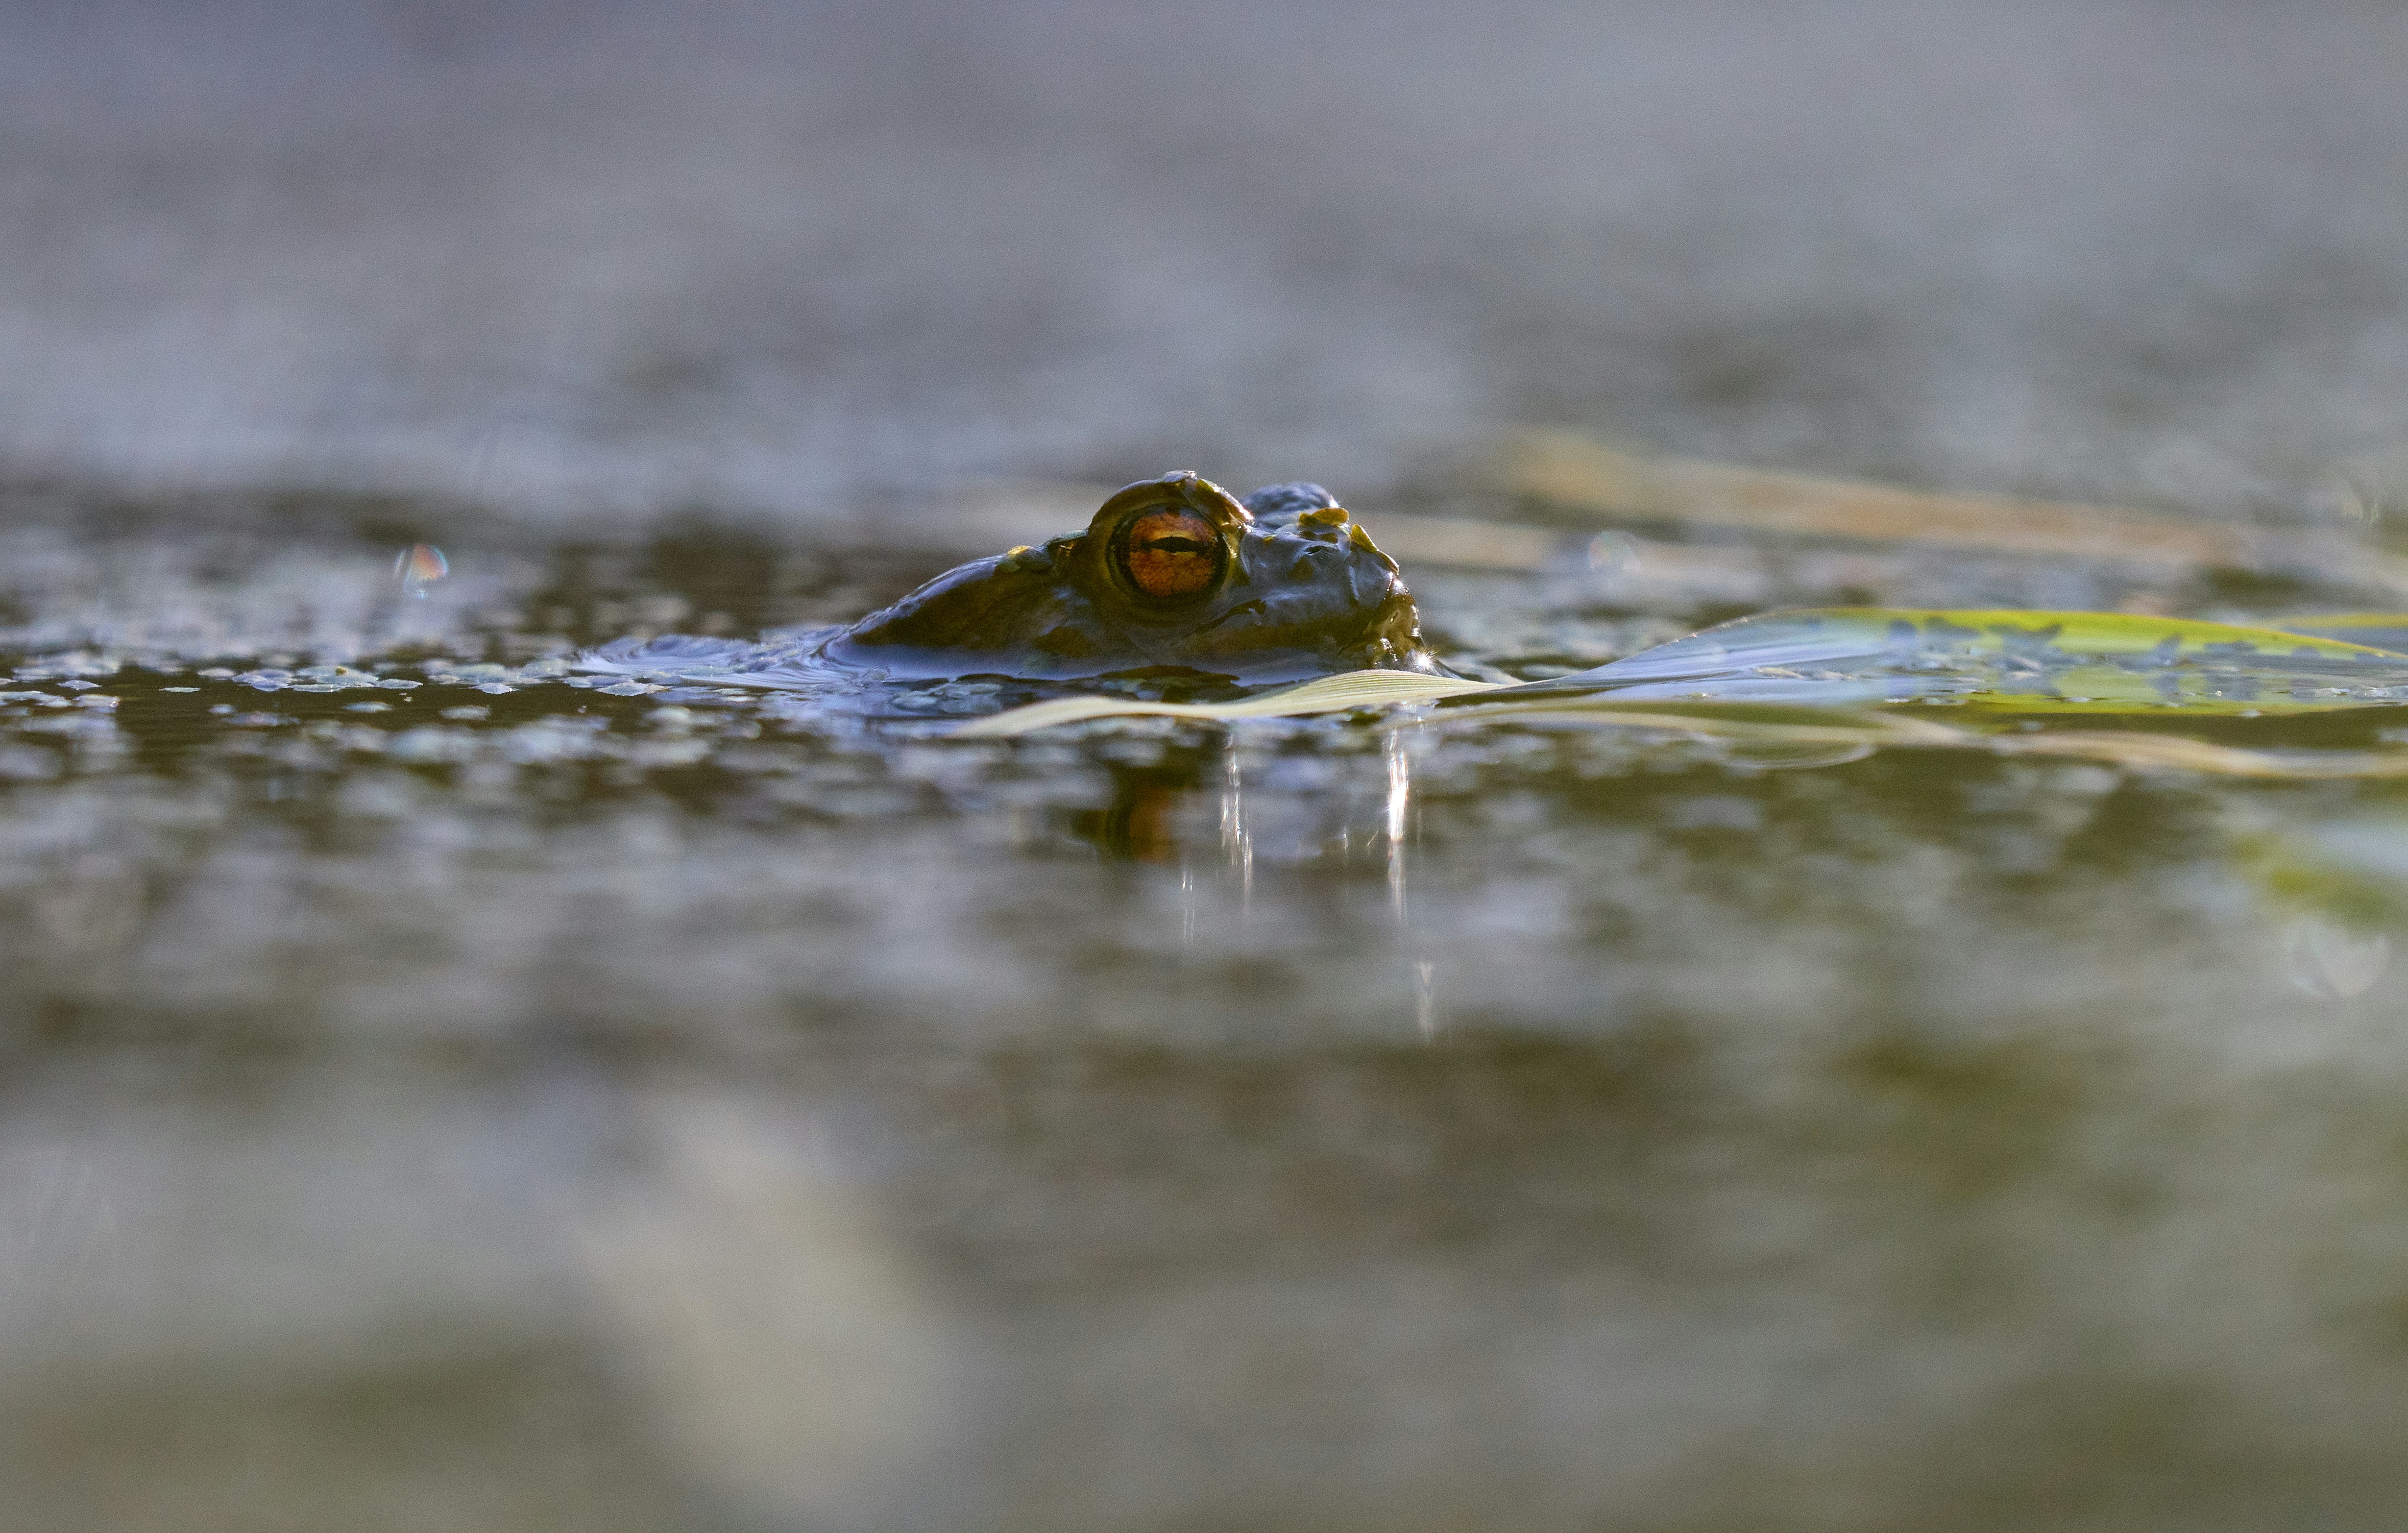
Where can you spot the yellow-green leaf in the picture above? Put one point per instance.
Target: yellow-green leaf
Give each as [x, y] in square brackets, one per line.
[2005, 661]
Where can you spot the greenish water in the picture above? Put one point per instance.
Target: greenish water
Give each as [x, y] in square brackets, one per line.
[443, 1095]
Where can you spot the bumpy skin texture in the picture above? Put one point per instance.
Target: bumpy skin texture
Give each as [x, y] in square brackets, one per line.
[1300, 591]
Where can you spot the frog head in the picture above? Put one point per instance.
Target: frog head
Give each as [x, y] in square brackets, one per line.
[1173, 577]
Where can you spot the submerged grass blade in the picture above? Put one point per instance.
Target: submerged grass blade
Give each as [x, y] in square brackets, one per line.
[2129, 749]
[2173, 753]
[1723, 720]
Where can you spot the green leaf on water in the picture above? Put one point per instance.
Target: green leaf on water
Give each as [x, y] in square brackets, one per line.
[2014, 631]
[2005, 661]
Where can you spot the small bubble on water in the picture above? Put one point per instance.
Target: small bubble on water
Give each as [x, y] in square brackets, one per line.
[418, 566]
[1612, 553]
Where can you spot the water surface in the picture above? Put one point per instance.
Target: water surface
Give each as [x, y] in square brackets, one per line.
[441, 1082]
[439, 1096]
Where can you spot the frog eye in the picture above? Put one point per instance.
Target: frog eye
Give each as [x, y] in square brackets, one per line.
[1172, 553]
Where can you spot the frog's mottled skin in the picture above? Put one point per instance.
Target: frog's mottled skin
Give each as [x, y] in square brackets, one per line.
[1302, 592]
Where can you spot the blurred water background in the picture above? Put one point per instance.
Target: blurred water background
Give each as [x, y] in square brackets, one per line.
[440, 1097]
[619, 255]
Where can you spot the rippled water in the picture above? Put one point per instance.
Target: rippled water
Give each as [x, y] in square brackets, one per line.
[444, 1091]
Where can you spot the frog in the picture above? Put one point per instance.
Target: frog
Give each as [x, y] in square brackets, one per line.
[1174, 579]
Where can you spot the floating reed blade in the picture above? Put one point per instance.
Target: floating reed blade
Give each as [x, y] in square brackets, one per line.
[1329, 695]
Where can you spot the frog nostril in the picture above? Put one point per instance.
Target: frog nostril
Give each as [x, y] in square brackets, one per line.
[1309, 560]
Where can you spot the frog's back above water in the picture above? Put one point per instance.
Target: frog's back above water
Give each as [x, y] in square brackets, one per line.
[1174, 578]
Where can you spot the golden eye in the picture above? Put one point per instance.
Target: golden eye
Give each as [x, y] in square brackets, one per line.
[1171, 554]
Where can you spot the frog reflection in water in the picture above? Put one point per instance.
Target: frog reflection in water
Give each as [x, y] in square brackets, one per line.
[1174, 579]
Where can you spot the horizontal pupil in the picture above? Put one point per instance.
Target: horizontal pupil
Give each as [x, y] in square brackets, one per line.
[1175, 545]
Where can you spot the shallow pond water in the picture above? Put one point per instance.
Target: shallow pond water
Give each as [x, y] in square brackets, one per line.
[447, 1091]
[438, 1095]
